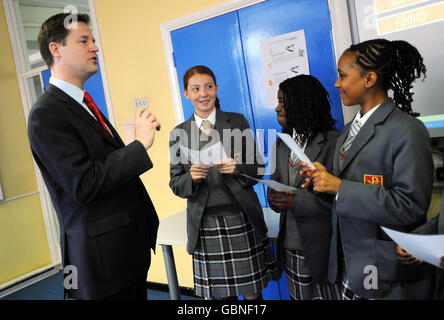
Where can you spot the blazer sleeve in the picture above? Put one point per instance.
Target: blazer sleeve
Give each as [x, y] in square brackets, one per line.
[58, 148]
[181, 182]
[406, 201]
[430, 227]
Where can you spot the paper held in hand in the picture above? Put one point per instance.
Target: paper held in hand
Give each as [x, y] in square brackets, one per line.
[208, 156]
[428, 248]
[295, 148]
[272, 184]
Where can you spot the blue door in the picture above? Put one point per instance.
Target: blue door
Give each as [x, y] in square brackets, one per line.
[230, 45]
[276, 17]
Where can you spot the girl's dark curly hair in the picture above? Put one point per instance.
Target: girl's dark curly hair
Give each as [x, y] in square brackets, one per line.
[307, 107]
[397, 64]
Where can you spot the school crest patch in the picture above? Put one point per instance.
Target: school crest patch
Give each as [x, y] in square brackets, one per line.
[373, 179]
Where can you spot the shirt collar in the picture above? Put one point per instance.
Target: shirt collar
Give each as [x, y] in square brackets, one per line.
[363, 119]
[70, 89]
[211, 118]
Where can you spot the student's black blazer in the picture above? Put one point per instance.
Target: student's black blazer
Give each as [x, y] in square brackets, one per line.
[107, 220]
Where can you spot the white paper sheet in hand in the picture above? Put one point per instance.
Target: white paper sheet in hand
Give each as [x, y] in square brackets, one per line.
[208, 156]
[272, 184]
[192, 154]
[295, 148]
[428, 248]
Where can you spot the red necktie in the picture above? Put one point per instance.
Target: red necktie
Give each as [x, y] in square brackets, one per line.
[93, 107]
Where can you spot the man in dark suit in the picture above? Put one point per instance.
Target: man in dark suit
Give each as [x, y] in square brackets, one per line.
[107, 221]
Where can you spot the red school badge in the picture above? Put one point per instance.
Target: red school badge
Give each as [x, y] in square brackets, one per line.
[373, 179]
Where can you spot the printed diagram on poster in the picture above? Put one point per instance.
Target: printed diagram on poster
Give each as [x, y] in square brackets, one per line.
[283, 57]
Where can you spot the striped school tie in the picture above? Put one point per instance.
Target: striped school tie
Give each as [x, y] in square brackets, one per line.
[354, 129]
[293, 159]
[206, 127]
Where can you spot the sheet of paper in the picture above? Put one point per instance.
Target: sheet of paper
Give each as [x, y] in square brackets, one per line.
[129, 132]
[208, 156]
[428, 248]
[272, 184]
[295, 148]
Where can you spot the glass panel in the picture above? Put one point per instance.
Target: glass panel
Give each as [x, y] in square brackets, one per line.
[33, 16]
[35, 88]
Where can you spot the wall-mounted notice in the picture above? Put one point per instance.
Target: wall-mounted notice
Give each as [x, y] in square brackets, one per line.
[283, 57]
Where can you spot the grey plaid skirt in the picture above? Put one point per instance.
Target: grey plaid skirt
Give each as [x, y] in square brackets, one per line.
[230, 260]
[300, 281]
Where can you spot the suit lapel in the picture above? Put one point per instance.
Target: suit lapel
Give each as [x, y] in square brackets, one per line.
[81, 113]
[339, 142]
[367, 131]
[223, 123]
[193, 135]
[284, 153]
[116, 140]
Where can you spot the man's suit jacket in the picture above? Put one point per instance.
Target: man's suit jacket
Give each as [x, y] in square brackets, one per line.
[436, 226]
[187, 134]
[311, 209]
[393, 151]
[107, 220]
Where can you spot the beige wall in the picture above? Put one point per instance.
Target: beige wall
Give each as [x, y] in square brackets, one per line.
[134, 57]
[23, 242]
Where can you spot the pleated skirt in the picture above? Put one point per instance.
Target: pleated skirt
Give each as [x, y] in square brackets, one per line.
[300, 281]
[230, 260]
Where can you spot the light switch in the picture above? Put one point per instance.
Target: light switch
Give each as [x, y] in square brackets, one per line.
[141, 103]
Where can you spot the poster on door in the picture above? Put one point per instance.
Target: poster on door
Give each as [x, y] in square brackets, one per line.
[283, 57]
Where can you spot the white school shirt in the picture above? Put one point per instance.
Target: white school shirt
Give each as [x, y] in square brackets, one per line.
[211, 118]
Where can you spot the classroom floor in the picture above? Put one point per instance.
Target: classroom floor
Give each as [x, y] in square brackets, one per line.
[51, 288]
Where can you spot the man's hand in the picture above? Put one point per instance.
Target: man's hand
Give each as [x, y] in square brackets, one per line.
[281, 200]
[227, 166]
[145, 125]
[441, 262]
[199, 172]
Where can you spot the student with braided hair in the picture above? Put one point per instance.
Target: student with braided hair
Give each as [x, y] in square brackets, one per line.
[382, 173]
[303, 244]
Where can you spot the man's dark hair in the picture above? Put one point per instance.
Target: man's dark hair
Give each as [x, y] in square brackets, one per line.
[53, 30]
